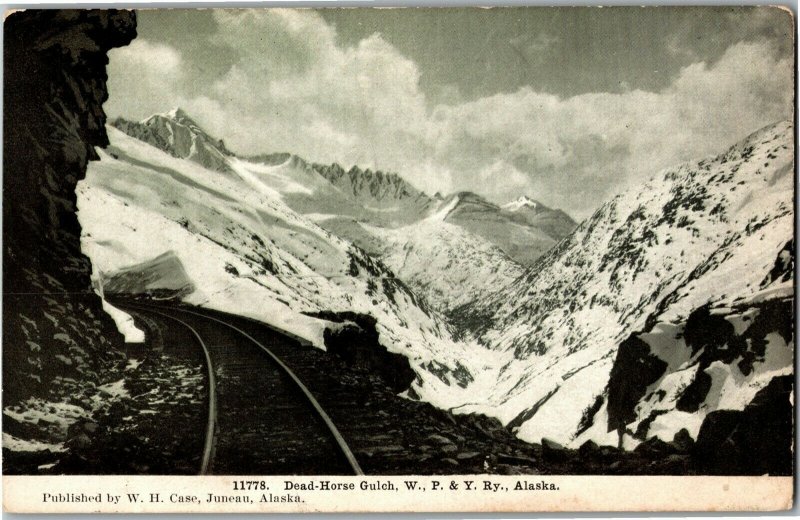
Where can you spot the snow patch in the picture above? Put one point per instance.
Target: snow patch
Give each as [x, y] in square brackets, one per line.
[125, 323]
[22, 445]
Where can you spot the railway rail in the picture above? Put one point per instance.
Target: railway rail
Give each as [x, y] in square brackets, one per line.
[262, 419]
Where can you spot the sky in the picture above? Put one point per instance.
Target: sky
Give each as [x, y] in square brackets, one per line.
[565, 105]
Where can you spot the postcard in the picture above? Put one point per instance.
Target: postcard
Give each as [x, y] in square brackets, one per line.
[394, 260]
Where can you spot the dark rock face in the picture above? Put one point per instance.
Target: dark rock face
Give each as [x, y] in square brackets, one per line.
[634, 369]
[783, 270]
[55, 86]
[753, 441]
[553, 451]
[356, 342]
[683, 441]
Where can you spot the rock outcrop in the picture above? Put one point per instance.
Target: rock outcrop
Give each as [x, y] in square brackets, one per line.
[55, 331]
[352, 337]
[753, 441]
[723, 378]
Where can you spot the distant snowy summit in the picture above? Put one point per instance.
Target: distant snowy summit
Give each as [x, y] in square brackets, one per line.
[522, 203]
[180, 136]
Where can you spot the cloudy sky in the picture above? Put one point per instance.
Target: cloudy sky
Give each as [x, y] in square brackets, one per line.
[567, 105]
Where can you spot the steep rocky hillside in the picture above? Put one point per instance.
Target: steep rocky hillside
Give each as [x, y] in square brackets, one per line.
[709, 231]
[723, 376]
[55, 333]
[60, 348]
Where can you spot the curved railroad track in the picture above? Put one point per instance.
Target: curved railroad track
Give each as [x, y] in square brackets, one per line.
[262, 419]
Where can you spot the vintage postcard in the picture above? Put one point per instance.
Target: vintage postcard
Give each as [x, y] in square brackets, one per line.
[428, 259]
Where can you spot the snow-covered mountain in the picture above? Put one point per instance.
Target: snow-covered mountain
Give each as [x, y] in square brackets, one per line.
[157, 224]
[523, 203]
[553, 222]
[389, 200]
[706, 232]
[177, 134]
[444, 262]
[382, 213]
[463, 249]
[540, 347]
[518, 231]
[358, 195]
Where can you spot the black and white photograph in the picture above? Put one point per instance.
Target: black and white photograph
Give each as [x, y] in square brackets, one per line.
[511, 241]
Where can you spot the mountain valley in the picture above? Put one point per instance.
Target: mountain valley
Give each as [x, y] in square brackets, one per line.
[497, 316]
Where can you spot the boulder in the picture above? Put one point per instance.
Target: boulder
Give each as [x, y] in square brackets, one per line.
[449, 448]
[438, 439]
[79, 442]
[467, 455]
[654, 448]
[588, 449]
[754, 441]
[553, 451]
[682, 441]
[450, 462]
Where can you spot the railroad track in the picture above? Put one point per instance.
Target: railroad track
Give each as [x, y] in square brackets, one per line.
[262, 419]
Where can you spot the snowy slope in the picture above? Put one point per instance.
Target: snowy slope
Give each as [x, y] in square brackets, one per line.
[705, 231]
[447, 264]
[244, 250]
[555, 223]
[513, 230]
[384, 215]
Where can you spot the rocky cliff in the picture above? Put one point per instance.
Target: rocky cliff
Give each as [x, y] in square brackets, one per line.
[56, 335]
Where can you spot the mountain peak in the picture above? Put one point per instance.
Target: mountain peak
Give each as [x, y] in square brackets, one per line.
[523, 202]
[469, 196]
[178, 115]
[180, 136]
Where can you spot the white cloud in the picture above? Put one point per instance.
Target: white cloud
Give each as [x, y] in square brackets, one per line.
[586, 146]
[294, 87]
[144, 78]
